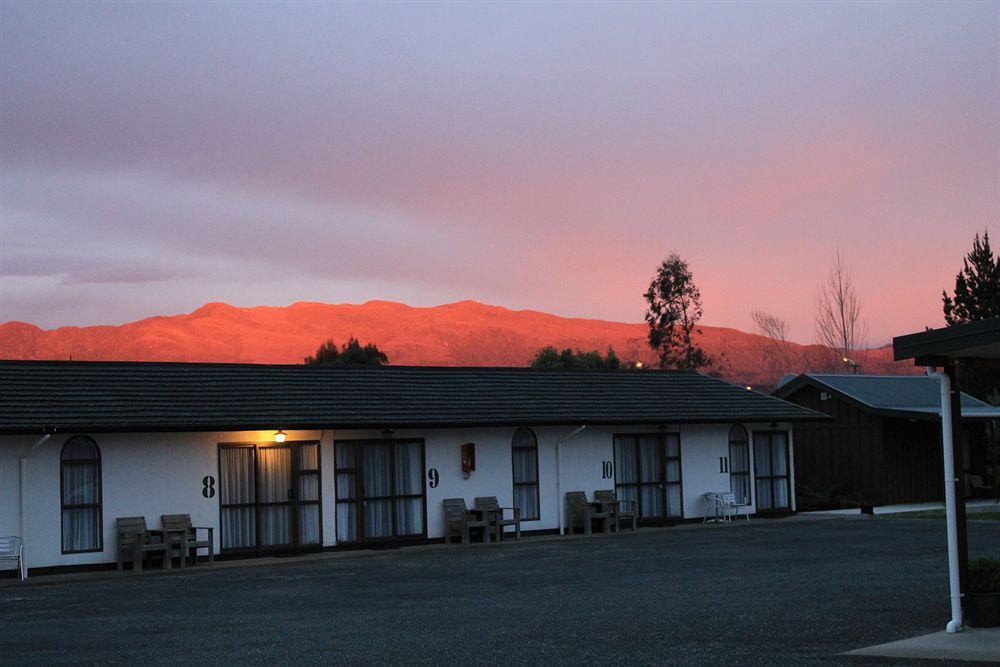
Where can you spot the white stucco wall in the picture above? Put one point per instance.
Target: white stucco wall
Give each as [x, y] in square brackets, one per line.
[161, 473]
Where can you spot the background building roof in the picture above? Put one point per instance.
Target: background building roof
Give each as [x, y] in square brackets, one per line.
[906, 395]
[135, 396]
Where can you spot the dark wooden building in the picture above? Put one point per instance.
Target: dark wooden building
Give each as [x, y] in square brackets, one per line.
[883, 446]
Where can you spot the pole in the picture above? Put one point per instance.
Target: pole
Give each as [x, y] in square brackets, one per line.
[22, 500]
[958, 451]
[950, 504]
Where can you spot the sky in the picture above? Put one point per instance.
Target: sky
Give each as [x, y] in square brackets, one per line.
[155, 157]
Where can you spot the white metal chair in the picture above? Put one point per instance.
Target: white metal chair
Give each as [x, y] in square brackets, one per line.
[731, 505]
[714, 509]
[12, 549]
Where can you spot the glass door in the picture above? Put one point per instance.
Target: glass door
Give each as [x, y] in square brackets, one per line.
[380, 492]
[648, 472]
[269, 496]
[770, 456]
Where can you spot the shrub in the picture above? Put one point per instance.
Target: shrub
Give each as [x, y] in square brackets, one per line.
[984, 575]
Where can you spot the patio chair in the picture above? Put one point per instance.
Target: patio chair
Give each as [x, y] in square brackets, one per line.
[585, 511]
[621, 510]
[492, 512]
[731, 505]
[191, 543]
[714, 510]
[12, 549]
[135, 540]
[458, 518]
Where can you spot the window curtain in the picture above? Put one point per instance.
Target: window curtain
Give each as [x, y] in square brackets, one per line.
[378, 485]
[651, 476]
[524, 458]
[739, 462]
[779, 468]
[236, 486]
[80, 474]
[625, 464]
[409, 482]
[275, 469]
[762, 467]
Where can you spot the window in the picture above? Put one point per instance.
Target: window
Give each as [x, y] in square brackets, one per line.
[80, 474]
[524, 459]
[739, 461]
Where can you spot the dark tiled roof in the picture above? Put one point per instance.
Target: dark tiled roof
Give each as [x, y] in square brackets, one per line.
[133, 396]
[889, 393]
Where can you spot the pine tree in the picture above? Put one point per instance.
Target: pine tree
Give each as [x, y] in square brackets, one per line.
[977, 286]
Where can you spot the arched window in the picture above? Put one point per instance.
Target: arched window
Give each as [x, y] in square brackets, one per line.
[524, 459]
[739, 461]
[80, 475]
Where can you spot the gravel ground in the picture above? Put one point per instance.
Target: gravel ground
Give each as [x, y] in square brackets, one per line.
[789, 591]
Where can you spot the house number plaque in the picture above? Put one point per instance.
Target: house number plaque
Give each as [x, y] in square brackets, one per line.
[208, 486]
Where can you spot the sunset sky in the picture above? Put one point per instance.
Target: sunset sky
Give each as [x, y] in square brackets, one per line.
[157, 157]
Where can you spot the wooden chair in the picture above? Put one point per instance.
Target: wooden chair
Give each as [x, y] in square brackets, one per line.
[492, 511]
[191, 543]
[134, 540]
[586, 511]
[458, 518]
[621, 510]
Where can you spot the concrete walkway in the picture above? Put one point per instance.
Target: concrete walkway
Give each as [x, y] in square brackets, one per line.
[971, 507]
[972, 645]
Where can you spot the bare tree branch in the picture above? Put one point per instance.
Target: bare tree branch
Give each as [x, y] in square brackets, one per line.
[775, 351]
[839, 325]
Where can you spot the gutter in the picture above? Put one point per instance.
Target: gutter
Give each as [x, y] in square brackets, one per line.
[559, 503]
[951, 513]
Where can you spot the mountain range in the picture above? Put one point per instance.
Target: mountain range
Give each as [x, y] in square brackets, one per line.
[466, 333]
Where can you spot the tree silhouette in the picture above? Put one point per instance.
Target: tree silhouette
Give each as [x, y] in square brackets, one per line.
[549, 358]
[977, 286]
[673, 314]
[349, 355]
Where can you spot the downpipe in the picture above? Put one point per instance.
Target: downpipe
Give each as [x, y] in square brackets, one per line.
[559, 500]
[951, 512]
[22, 497]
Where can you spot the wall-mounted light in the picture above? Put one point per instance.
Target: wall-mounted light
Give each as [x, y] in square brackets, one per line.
[749, 388]
[279, 436]
[638, 364]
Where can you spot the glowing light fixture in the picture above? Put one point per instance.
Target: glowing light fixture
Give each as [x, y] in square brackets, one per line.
[279, 436]
[749, 388]
[638, 364]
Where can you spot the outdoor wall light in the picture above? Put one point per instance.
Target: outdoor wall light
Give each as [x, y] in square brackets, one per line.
[279, 436]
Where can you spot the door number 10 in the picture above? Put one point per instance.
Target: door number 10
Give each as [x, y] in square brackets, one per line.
[607, 470]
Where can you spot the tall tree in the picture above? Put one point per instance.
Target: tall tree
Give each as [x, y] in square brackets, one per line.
[839, 325]
[673, 314]
[349, 355]
[977, 297]
[977, 286]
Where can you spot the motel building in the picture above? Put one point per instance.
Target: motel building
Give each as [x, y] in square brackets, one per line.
[300, 458]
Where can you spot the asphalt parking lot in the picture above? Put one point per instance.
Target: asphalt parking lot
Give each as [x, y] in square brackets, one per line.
[781, 591]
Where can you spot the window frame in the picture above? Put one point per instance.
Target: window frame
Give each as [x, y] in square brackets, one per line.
[618, 440]
[749, 472]
[514, 447]
[99, 505]
[772, 479]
